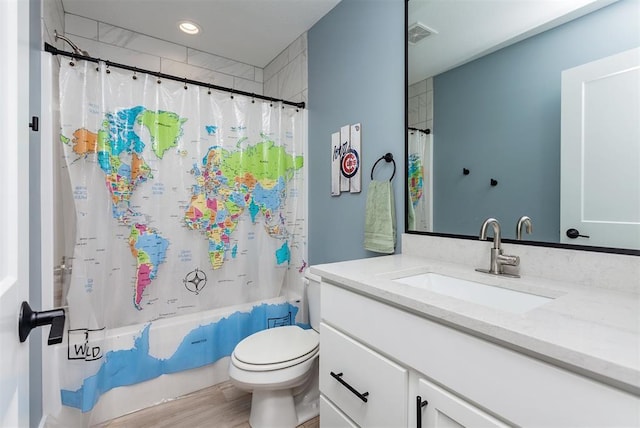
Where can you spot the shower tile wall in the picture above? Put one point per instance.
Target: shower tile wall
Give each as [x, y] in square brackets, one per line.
[285, 77]
[420, 108]
[120, 45]
[52, 15]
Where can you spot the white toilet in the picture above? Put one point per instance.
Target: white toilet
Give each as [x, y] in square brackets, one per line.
[280, 367]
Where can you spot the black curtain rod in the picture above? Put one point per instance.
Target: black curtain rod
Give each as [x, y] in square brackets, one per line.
[55, 51]
[426, 130]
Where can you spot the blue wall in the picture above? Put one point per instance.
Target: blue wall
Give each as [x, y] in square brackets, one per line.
[356, 74]
[499, 116]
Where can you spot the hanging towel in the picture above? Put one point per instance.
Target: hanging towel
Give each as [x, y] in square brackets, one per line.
[380, 218]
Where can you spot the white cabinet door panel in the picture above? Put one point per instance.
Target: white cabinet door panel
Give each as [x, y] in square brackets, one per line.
[445, 410]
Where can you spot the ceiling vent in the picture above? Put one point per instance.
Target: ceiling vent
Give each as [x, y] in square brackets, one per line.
[419, 31]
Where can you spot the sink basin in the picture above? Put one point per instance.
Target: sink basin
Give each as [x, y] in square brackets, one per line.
[483, 294]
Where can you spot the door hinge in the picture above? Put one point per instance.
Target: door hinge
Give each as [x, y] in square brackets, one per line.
[35, 122]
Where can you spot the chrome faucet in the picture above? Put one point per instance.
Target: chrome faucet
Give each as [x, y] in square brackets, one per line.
[498, 260]
[525, 222]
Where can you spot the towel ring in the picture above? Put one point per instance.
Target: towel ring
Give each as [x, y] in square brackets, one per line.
[388, 158]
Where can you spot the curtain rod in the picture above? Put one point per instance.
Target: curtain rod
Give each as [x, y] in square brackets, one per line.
[55, 51]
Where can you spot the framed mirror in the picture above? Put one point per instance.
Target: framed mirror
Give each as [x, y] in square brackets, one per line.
[487, 128]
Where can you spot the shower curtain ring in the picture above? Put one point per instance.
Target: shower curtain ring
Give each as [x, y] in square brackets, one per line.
[209, 91]
[185, 83]
[134, 77]
[107, 70]
[231, 93]
[253, 100]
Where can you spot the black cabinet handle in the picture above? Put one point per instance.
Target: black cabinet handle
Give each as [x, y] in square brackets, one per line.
[419, 405]
[574, 233]
[338, 377]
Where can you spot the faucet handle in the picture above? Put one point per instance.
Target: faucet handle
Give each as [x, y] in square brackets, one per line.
[523, 222]
[504, 259]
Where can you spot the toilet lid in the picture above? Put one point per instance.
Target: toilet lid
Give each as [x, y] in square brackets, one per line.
[276, 345]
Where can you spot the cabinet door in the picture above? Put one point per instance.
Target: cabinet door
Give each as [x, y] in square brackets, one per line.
[445, 410]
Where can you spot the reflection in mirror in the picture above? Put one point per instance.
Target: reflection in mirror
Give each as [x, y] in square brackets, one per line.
[496, 129]
[419, 153]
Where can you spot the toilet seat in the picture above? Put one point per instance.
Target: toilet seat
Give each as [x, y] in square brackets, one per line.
[276, 348]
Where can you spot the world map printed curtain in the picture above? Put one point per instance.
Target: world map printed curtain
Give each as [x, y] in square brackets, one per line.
[187, 199]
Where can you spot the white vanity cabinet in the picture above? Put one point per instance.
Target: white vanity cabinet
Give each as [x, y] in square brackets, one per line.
[396, 356]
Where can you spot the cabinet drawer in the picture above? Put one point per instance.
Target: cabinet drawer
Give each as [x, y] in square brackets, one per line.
[347, 368]
[332, 417]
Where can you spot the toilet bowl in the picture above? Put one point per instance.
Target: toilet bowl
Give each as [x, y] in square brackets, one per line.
[280, 367]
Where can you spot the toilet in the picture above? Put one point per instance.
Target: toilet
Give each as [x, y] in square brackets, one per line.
[280, 367]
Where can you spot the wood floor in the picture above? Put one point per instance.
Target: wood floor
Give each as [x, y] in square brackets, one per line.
[221, 406]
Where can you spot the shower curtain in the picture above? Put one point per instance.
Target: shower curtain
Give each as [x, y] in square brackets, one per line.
[187, 199]
[419, 175]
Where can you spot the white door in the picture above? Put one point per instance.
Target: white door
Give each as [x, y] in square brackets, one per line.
[600, 153]
[14, 209]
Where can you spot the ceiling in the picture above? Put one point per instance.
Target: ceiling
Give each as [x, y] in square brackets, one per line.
[468, 29]
[249, 31]
[256, 31]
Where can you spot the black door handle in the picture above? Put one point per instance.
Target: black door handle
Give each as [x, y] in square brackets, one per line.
[574, 233]
[419, 405]
[30, 319]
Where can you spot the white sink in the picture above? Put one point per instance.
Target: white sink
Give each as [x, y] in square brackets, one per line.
[483, 294]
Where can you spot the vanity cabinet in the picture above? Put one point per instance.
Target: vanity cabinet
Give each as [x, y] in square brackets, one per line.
[394, 356]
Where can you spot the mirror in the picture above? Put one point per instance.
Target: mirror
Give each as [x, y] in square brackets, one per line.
[484, 116]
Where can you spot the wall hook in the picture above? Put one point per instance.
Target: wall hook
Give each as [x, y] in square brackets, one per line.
[465, 171]
[494, 182]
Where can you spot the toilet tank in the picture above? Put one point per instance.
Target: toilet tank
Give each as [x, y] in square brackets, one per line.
[313, 297]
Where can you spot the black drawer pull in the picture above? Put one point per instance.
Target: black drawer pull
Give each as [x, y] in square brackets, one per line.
[338, 377]
[419, 405]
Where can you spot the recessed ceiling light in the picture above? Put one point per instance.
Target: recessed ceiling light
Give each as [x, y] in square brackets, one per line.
[189, 27]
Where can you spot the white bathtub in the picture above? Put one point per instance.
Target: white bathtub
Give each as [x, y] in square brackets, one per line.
[166, 338]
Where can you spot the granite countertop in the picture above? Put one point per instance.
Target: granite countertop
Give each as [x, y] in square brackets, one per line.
[592, 331]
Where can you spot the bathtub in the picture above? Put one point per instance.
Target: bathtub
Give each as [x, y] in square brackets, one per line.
[109, 373]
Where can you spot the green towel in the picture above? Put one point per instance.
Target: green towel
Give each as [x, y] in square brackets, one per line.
[380, 218]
